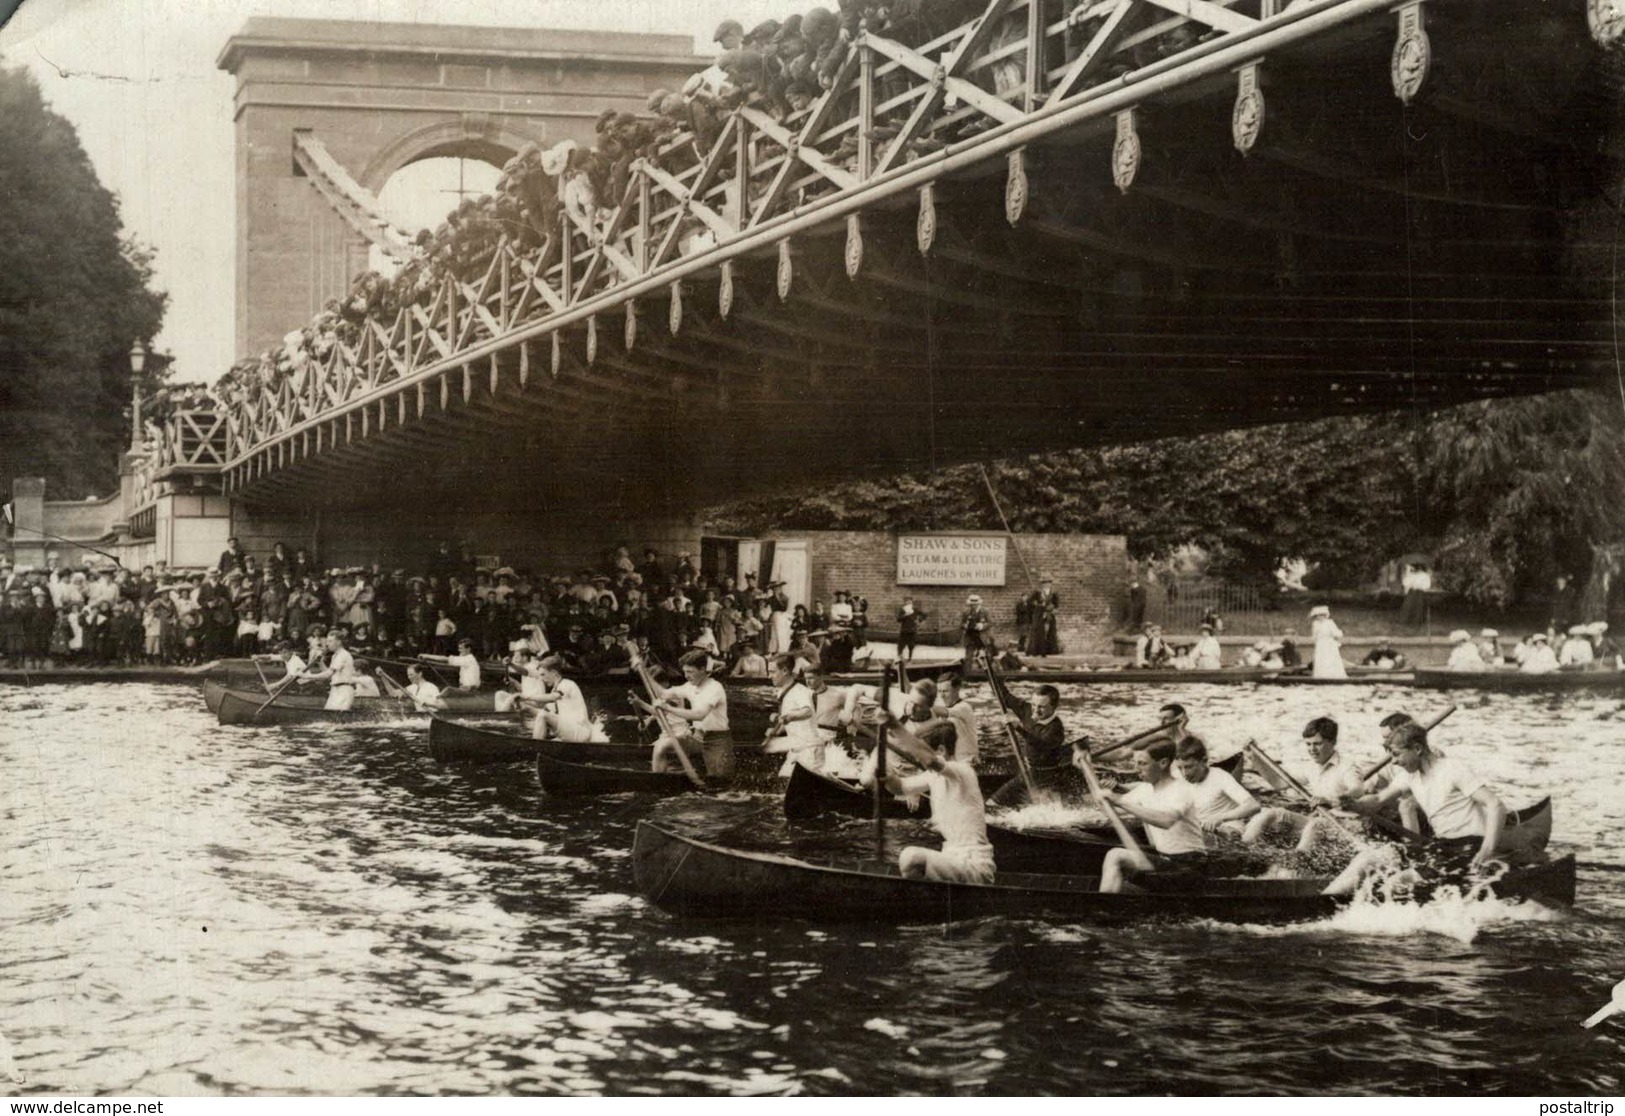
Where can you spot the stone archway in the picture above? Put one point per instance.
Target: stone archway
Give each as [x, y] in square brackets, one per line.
[473, 136]
[382, 95]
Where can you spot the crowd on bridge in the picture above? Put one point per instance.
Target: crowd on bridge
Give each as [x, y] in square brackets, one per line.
[779, 67]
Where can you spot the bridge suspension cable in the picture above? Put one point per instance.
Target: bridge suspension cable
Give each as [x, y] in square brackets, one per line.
[352, 201]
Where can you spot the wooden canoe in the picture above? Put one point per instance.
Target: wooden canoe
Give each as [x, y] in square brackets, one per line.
[693, 878]
[1512, 681]
[566, 779]
[1078, 851]
[239, 707]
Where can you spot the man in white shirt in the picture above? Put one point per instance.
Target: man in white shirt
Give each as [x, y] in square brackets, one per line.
[705, 713]
[951, 704]
[569, 719]
[1333, 776]
[1458, 804]
[1222, 804]
[340, 674]
[468, 667]
[794, 728]
[957, 810]
[425, 695]
[1167, 806]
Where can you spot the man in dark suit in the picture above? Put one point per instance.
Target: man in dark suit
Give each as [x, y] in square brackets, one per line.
[231, 558]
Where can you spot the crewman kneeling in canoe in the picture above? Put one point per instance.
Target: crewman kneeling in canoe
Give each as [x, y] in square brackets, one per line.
[1334, 776]
[1168, 807]
[1456, 801]
[568, 720]
[696, 709]
[794, 729]
[957, 810]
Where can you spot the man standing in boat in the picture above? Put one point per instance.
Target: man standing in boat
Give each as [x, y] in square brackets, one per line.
[699, 706]
[957, 810]
[794, 729]
[1457, 803]
[339, 673]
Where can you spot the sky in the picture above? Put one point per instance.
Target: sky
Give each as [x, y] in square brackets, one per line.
[137, 78]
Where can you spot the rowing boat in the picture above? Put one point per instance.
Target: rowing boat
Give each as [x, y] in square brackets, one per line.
[1517, 682]
[694, 878]
[455, 742]
[239, 707]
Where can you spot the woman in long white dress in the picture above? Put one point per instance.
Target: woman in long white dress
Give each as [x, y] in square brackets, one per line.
[1328, 641]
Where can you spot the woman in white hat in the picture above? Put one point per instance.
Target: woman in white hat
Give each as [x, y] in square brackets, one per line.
[1328, 641]
[1464, 655]
[1539, 658]
[1576, 648]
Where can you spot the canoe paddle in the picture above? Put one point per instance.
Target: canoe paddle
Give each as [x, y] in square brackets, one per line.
[1614, 1007]
[1429, 727]
[1121, 744]
[881, 732]
[276, 693]
[1009, 730]
[1089, 777]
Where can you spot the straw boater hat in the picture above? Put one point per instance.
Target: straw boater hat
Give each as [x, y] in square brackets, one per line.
[1489, 633]
[1597, 627]
[1320, 610]
[1579, 630]
[1459, 636]
[974, 598]
[1538, 637]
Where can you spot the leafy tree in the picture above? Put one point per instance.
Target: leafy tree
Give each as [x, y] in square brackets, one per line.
[1507, 492]
[75, 295]
[1528, 487]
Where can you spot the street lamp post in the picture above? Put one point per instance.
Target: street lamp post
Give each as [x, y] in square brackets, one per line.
[138, 361]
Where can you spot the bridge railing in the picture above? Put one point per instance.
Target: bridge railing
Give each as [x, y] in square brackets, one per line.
[705, 199]
[191, 439]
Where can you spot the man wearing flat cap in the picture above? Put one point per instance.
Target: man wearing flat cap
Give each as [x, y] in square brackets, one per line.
[730, 33]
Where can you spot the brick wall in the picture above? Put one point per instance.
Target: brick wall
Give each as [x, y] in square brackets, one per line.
[1089, 572]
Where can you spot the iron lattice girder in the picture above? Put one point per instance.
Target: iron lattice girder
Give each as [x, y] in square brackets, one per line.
[1142, 276]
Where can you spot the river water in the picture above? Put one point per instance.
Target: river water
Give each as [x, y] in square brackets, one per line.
[187, 909]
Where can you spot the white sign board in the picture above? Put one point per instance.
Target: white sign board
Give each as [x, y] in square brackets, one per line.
[950, 559]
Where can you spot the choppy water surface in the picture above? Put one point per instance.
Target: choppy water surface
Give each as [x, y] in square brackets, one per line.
[191, 909]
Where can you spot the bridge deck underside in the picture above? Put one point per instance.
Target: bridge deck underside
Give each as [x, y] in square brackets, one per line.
[1364, 255]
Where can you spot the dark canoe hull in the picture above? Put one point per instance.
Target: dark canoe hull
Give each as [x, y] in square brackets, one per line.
[696, 879]
[237, 707]
[810, 793]
[1511, 681]
[1077, 852]
[455, 742]
[564, 779]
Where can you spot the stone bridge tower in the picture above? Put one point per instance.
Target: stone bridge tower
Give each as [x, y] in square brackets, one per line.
[382, 95]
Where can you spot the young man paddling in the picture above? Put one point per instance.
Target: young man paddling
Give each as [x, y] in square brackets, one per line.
[568, 720]
[1458, 804]
[795, 726]
[1167, 806]
[1222, 804]
[705, 711]
[957, 810]
[339, 672]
